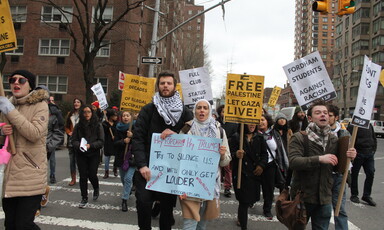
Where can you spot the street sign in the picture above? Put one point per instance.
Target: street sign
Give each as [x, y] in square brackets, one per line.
[152, 60]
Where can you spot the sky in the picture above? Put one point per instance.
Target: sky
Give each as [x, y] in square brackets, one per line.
[255, 37]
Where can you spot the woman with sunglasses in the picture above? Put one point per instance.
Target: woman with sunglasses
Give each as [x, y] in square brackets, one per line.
[25, 176]
[89, 131]
[72, 120]
[277, 160]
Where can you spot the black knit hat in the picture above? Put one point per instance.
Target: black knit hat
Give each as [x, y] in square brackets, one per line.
[30, 76]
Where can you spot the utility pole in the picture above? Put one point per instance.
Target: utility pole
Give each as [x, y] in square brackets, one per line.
[154, 40]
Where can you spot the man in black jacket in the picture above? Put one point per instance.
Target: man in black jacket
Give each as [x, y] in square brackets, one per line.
[365, 145]
[165, 115]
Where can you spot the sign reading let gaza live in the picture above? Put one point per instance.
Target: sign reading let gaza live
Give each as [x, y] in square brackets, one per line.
[244, 98]
[309, 80]
[7, 31]
[367, 93]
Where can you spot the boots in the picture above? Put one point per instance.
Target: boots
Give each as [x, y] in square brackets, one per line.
[73, 181]
[115, 171]
[106, 175]
[124, 207]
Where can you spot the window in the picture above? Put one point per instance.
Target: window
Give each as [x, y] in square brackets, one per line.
[189, 27]
[55, 84]
[357, 61]
[325, 34]
[19, 13]
[103, 81]
[353, 92]
[6, 85]
[325, 27]
[324, 41]
[190, 12]
[198, 27]
[360, 45]
[105, 48]
[355, 76]
[52, 14]
[20, 48]
[107, 14]
[199, 20]
[55, 47]
[325, 19]
[377, 41]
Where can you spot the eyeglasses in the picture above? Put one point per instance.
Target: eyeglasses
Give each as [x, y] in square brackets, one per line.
[21, 80]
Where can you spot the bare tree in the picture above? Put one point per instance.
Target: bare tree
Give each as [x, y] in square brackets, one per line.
[89, 30]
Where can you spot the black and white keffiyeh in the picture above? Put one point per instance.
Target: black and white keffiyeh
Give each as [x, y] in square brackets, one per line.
[317, 135]
[170, 108]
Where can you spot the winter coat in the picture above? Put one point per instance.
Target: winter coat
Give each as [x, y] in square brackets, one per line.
[281, 154]
[109, 149]
[255, 155]
[94, 138]
[148, 122]
[119, 146]
[229, 127]
[26, 172]
[55, 131]
[366, 141]
[311, 176]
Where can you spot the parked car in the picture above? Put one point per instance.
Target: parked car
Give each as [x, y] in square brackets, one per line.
[378, 127]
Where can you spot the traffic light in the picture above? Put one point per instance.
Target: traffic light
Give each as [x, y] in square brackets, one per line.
[322, 6]
[346, 7]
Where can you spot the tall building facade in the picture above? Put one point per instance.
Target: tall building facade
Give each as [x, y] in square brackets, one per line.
[45, 47]
[357, 35]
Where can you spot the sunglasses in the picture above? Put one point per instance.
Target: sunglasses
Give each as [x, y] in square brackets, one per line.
[22, 81]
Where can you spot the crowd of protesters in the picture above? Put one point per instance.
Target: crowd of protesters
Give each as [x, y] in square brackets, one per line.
[302, 149]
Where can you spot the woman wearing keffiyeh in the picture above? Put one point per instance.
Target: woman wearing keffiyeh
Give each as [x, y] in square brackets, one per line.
[197, 212]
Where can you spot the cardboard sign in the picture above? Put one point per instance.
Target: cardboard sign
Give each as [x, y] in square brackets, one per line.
[274, 96]
[309, 80]
[138, 91]
[196, 85]
[244, 98]
[99, 92]
[7, 31]
[367, 93]
[184, 164]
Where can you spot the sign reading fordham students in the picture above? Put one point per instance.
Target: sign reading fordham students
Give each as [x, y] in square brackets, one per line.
[7, 30]
[184, 164]
[138, 91]
[99, 92]
[274, 96]
[196, 85]
[309, 80]
[244, 98]
[367, 93]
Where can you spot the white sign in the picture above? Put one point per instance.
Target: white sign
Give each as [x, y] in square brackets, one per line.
[99, 92]
[367, 93]
[309, 80]
[196, 85]
[120, 85]
[152, 60]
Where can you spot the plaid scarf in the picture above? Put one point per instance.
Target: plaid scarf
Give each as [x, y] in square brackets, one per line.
[170, 108]
[317, 135]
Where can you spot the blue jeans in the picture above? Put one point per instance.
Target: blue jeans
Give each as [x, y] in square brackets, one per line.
[192, 224]
[72, 160]
[52, 164]
[368, 162]
[126, 179]
[320, 215]
[106, 162]
[341, 221]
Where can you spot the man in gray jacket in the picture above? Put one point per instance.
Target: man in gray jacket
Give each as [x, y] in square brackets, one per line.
[313, 168]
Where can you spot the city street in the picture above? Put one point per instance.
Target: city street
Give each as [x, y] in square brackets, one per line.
[62, 211]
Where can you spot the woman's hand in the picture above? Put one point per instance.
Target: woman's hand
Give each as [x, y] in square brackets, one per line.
[258, 171]
[129, 134]
[88, 146]
[351, 153]
[222, 150]
[240, 154]
[127, 140]
[166, 133]
[7, 129]
[145, 173]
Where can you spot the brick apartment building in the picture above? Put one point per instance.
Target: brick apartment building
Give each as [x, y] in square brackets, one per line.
[44, 46]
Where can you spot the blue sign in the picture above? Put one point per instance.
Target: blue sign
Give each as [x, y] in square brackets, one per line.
[184, 164]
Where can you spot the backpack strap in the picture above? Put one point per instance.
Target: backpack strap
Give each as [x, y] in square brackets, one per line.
[186, 128]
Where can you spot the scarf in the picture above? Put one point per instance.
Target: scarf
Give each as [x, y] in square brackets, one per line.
[317, 135]
[122, 127]
[169, 108]
[205, 128]
[338, 127]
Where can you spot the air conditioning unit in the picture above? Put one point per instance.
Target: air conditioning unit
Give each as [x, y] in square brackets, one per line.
[17, 25]
[60, 60]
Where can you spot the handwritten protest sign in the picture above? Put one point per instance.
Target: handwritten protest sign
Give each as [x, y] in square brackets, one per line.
[99, 92]
[244, 98]
[138, 91]
[7, 30]
[309, 80]
[184, 164]
[196, 85]
[367, 93]
[274, 96]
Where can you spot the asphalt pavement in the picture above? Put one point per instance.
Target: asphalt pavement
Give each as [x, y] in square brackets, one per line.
[62, 211]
